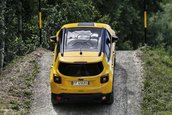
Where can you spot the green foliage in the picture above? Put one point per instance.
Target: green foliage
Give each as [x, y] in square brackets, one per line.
[126, 17]
[158, 79]
[160, 28]
[68, 12]
[17, 45]
[126, 45]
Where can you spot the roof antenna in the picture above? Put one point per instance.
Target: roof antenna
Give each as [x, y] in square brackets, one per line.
[80, 52]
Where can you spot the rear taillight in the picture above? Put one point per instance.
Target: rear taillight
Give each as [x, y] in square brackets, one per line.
[104, 78]
[57, 79]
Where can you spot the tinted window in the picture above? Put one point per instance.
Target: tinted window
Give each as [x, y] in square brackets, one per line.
[59, 43]
[107, 45]
[80, 69]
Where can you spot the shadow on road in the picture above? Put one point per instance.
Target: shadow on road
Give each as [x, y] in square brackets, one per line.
[79, 109]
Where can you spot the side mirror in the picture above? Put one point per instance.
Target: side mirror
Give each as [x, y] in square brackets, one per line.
[115, 39]
[52, 42]
[53, 39]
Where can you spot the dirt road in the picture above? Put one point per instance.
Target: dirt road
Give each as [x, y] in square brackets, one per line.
[128, 85]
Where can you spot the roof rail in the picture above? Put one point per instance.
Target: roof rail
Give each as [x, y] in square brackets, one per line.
[62, 48]
[101, 40]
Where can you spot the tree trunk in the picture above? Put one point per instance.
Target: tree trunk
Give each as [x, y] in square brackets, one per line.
[2, 32]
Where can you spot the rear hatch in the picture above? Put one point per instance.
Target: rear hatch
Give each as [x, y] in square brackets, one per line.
[81, 72]
[81, 77]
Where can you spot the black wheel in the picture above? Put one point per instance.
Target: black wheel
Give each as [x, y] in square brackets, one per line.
[110, 99]
[53, 101]
[115, 60]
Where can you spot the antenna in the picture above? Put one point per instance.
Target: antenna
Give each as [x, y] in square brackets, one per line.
[80, 51]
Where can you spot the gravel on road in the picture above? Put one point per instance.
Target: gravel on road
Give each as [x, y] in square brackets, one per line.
[128, 86]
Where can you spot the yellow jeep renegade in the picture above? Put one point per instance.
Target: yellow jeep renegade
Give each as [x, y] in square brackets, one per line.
[83, 63]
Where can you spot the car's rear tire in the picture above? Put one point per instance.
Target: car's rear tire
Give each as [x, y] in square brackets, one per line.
[53, 100]
[110, 99]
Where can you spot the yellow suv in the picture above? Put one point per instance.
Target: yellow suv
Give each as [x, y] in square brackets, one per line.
[83, 63]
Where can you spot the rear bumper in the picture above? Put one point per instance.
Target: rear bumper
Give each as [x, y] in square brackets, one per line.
[80, 98]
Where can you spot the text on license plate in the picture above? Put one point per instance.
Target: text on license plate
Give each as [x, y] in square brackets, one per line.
[80, 82]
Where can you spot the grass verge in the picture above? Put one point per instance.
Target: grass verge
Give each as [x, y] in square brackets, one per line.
[16, 84]
[157, 98]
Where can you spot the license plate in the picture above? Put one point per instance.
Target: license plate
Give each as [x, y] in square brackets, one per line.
[80, 83]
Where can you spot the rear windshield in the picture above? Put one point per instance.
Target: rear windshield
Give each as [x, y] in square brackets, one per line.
[80, 69]
[82, 39]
